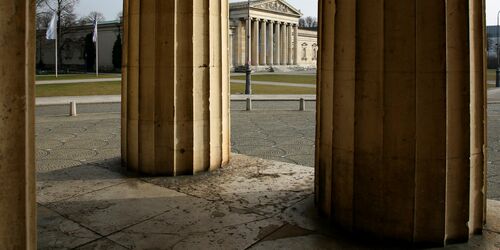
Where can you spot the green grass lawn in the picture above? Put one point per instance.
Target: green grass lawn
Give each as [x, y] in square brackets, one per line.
[491, 74]
[75, 77]
[79, 89]
[308, 79]
[239, 88]
[114, 88]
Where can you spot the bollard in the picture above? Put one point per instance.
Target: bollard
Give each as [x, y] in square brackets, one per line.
[249, 104]
[302, 105]
[72, 109]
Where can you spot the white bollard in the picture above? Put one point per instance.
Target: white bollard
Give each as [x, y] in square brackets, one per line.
[302, 105]
[72, 109]
[249, 104]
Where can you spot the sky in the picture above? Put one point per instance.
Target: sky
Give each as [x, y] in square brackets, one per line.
[110, 8]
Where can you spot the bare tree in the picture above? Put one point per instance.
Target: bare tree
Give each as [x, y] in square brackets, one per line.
[308, 22]
[302, 22]
[92, 17]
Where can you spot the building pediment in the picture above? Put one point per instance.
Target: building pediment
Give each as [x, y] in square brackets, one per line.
[277, 6]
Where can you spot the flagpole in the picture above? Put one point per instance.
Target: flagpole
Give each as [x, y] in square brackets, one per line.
[96, 50]
[56, 57]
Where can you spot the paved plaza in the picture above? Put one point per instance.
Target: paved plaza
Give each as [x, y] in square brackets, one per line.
[87, 201]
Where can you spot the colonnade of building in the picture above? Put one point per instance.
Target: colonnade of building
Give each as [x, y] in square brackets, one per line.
[271, 42]
[400, 148]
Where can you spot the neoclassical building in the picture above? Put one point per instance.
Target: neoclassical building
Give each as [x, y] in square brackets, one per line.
[276, 41]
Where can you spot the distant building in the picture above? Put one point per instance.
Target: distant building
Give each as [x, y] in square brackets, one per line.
[73, 48]
[277, 42]
[493, 39]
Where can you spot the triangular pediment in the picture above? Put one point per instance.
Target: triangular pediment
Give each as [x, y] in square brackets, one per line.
[278, 6]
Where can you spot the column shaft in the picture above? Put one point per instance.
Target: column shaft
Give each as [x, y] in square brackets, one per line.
[277, 44]
[238, 46]
[17, 152]
[296, 45]
[255, 42]
[400, 125]
[283, 44]
[232, 56]
[270, 44]
[248, 42]
[263, 42]
[176, 116]
[290, 45]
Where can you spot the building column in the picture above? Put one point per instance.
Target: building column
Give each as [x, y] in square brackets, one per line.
[277, 43]
[232, 59]
[270, 43]
[296, 45]
[263, 42]
[283, 44]
[290, 44]
[17, 151]
[255, 42]
[401, 132]
[248, 42]
[238, 47]
[175, 102]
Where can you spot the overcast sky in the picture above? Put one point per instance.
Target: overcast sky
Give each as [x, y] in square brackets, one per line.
[110, 8]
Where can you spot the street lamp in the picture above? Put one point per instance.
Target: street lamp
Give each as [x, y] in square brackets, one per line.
[248, 71]
[498, 51]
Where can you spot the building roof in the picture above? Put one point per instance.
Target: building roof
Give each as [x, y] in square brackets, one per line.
[279, 6]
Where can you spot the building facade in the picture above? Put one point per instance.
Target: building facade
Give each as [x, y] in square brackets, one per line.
[73, 54]
[266, 34]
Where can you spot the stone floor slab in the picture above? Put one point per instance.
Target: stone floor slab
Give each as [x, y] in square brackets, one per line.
[57, 232]
[101, 244]
[66, 183]
[112, 209]
[254, 185]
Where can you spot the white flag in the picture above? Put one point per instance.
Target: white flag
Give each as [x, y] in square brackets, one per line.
[95, 31]
[52, 29]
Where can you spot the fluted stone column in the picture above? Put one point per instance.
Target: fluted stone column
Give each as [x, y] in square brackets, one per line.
[296, 44]
[17, 157]
[277, 43]
[401, 131]
[270, 43]
[248, 42]
[176, 91]
[231, 55]
[290, 45]
[255, 42]
[283, 43]
[238, 45]
[263, 42]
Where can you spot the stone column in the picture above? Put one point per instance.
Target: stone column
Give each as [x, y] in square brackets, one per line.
[263, 42]
[238, 47]
[400, 142]
[248, 42]
[17, 152]
[283, 44]
[176, 92]
[290, 44]
[255, 42]
[277, 43]
[270, 43]
[296, 44]
[232, 59]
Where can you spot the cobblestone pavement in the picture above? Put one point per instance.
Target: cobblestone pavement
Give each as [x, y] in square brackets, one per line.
[87, 201]
[286, 136]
